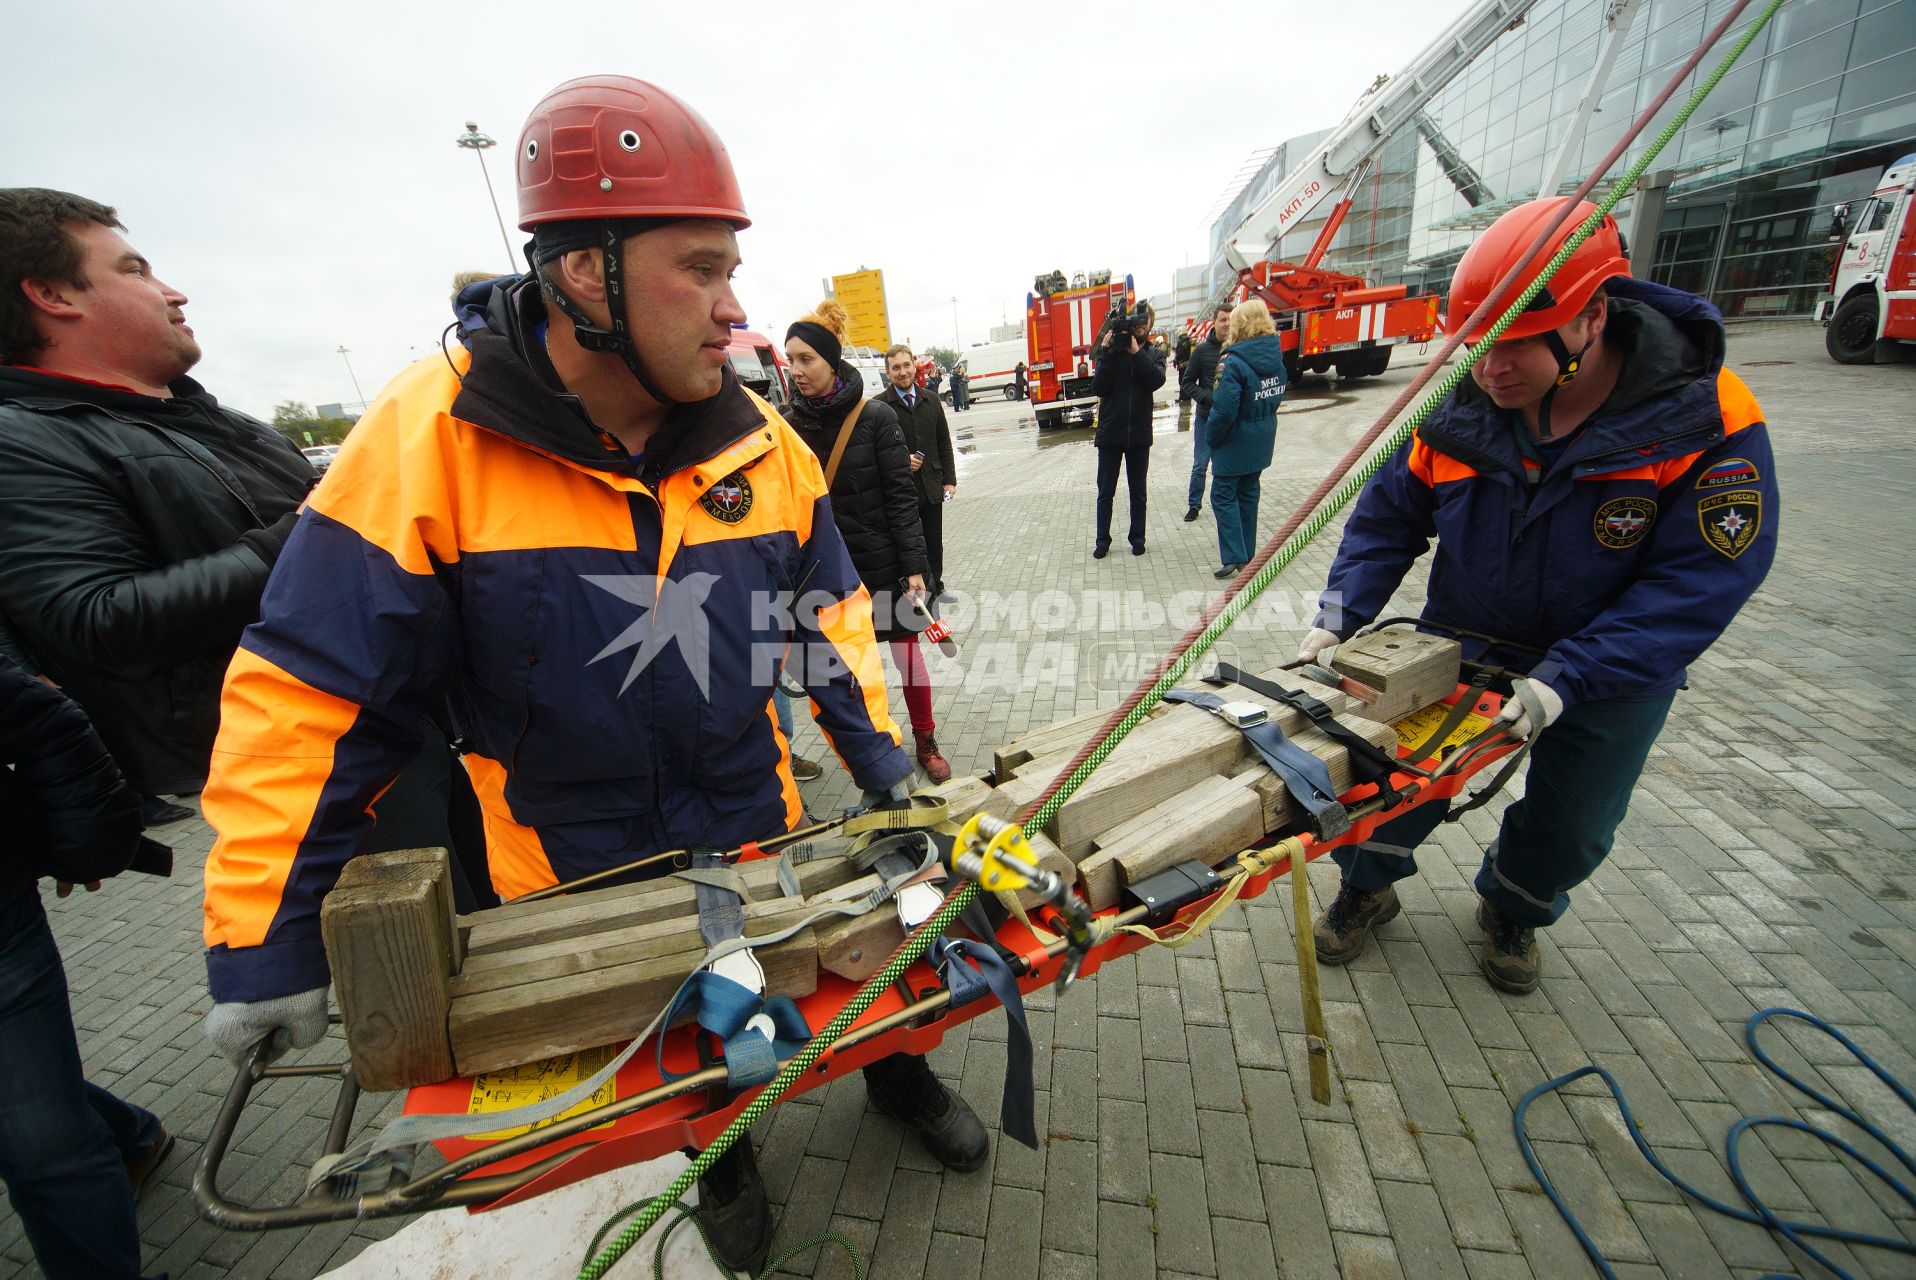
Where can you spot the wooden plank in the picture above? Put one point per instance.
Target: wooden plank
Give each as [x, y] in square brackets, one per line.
[962, 796]
[532, 962]
[492, 1030]
[1163, 757]
[1066, 736]
[1411, 669]
[576, 914]
[389, 941]
[364, 868]
[1220, 819]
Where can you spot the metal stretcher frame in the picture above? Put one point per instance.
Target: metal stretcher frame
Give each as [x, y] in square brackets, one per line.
[651, 1118]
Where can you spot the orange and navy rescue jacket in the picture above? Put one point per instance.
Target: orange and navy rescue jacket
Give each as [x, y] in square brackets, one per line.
[604, 631]
[1628, 555]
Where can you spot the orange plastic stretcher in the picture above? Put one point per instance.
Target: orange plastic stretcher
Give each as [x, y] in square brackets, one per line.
[639, 1115]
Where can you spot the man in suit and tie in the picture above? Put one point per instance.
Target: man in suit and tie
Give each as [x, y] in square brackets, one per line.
[929, 437]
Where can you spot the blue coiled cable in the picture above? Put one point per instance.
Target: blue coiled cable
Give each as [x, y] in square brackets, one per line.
[1757, 1212]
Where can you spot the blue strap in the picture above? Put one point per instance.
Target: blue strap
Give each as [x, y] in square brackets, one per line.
[1307, 778]
[721, 913]
[723, 1007]
[1016, 1116]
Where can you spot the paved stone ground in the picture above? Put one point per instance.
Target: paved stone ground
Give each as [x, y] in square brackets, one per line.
[1766, 861]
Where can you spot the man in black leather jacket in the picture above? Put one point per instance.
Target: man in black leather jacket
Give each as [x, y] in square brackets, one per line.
[139, 518]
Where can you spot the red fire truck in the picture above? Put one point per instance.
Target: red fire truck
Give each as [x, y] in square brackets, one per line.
[1871, 306]
[1062, 321]
[1328, 319]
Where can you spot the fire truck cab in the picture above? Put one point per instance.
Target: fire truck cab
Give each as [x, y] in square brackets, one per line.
[1871, 305]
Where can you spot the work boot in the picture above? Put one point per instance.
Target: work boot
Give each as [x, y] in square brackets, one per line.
[139, 1168]
[904, 1088]
[936, 767]
[734, 1209]
[1341, 932]
[804, 770]
[1512, 960]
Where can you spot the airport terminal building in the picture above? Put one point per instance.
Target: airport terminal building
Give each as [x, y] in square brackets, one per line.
[1818, 105]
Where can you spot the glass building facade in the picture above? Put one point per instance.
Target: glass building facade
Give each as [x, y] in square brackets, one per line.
[1822, 100]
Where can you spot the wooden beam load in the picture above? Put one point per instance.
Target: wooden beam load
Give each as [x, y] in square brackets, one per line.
[426, 996]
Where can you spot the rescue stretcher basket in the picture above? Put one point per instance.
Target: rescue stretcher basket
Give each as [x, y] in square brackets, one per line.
[641, 1115]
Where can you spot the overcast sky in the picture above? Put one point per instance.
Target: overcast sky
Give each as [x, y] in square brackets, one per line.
[291, 168]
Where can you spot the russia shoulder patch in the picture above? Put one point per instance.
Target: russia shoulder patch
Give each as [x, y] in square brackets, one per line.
[1730, 520]
[1731, 473]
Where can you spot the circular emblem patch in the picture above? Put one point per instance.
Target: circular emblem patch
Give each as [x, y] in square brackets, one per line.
[1623, 522]
[730, 500]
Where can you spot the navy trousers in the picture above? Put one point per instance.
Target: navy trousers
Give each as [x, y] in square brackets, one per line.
[63, 1142]
[1234, 507]
[1200, 457]
[1582, 770]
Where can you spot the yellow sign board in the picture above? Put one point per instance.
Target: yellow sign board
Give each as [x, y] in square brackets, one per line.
[862, 294]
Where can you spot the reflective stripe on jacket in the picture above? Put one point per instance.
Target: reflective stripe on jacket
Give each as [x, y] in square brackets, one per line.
[606, 633]
[1633, 552]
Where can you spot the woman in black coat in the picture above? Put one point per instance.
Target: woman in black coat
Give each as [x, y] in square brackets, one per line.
[873, 501]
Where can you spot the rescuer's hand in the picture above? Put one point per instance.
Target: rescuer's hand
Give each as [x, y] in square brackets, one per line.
[1532, 707]
[1315, 643]
[293, 1021]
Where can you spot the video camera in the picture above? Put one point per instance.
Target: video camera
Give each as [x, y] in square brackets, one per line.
[1123, 318]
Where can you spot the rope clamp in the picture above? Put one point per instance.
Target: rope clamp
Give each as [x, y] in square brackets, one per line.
[996, 854]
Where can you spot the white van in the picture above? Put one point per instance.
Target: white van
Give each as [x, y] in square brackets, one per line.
[992, 367]
[870, 363]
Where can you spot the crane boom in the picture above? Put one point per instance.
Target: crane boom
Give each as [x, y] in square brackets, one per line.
[1385, 107]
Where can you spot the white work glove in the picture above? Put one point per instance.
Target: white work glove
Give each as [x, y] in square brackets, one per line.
[1315, 643]
[299, 1020]
[1532, 707]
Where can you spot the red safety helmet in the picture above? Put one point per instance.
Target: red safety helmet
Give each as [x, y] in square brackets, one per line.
[616, 147]
[1497, 250]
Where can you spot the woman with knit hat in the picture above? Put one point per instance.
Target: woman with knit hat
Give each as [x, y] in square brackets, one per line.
[873, 500]
[876, 509]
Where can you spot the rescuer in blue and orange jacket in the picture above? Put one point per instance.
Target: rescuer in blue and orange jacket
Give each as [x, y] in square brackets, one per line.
[584, 537]
[1601, 491]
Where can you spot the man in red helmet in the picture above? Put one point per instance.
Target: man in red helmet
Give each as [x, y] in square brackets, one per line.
[1602, 493]
[584, 536]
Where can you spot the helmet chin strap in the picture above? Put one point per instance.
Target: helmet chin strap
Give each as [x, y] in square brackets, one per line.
[1568, 366]
[618, 339]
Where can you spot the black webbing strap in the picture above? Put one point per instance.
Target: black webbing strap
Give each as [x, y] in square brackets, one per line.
[1369, 763]
[1307, 778]
[1478, 683]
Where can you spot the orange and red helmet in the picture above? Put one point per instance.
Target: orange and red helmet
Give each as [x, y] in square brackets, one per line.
[1494, 252]
[616, 147]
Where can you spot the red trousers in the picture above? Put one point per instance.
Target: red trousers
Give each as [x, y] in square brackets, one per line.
[906, 655]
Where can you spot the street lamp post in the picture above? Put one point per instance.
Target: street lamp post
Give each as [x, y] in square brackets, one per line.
[477, 142]
[956, 345]
[344, 355]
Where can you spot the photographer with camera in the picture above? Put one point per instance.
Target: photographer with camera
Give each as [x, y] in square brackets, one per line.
[1129, 369]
